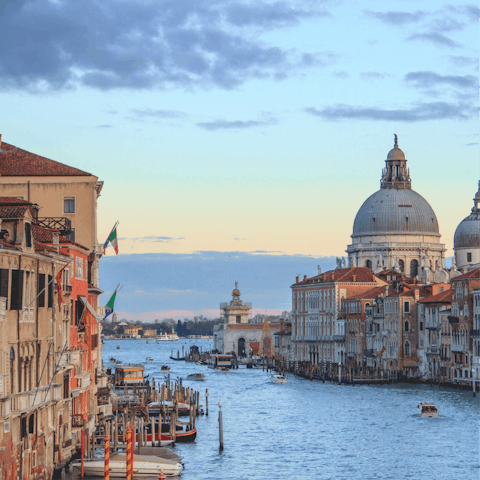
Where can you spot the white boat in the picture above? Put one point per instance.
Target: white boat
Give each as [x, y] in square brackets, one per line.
[196, 376]
[275, 378]
[428, 410]
[150, 360]
[143, 466]
[168, 336]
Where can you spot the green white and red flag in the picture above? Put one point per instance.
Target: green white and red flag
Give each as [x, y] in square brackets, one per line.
[112, 238]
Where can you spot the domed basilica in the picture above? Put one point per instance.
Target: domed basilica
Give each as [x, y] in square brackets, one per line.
[396, 228]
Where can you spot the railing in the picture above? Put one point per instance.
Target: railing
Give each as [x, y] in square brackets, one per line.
[385, 333]
[433, 325]
[458, 348]
[475, 333]
[32, 399]
[433, 350]
[63, 224]
[224, 305]
[339, 338]
[351, 354]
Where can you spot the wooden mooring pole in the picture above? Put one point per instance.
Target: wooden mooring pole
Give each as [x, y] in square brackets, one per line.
[220, 424]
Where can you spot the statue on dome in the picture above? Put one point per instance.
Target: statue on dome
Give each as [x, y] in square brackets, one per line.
[339, 262]
[396, 265]
[396, 140]
[353, 262]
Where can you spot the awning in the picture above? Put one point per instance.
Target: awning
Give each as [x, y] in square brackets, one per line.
[90, 308]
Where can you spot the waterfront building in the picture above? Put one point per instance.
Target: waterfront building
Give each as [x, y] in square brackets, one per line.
[433, 330]
[50, 366]
[396, 228]
[237, 334]
[318, 326]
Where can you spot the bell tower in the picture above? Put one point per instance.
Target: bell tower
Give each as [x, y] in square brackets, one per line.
[396, 174]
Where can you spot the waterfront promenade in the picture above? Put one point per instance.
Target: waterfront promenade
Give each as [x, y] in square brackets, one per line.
[310, 430]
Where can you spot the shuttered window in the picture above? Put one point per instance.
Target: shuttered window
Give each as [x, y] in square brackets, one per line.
[16, 293]
[4, 282]
[50, 291]
[28, 234]
[41, 290]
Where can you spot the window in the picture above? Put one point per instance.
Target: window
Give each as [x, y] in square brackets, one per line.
[69, 205]
[368, 264]
[413, 268]
[406, 326]
[401, 264]
[28, 234]
[71, 235]
[406, 307]
[469, 257]
[407, 349]
[440, 289]
[238, 319]
[41, 290]
[16, 293]
[4, 282]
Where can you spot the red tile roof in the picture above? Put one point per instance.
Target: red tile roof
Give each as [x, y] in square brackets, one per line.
[371, 294]
[341, 275]
[13, 212]
[472, 274]
[17, 162]
[442, 297]
[11, 201]
[41, 247]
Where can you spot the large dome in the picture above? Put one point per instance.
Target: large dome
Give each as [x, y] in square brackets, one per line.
[467, 234]
[394, 211]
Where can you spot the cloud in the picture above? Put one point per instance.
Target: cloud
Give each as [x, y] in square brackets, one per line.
[273, 15]
[428, 79]
[104, 126]
[341, 74]
[470, 11]
[435, 38]
[201, 280]
[471, 144]
[374, 75]
[239, 239]
[416, 113]
[462, 61]
[153, 238]
[142, 44]
[235, 124]
[159, 114]
[396, 18]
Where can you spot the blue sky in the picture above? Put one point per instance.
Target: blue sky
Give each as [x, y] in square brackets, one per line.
[244, 126]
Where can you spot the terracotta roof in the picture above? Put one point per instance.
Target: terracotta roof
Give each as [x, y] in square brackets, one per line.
[11, 201]
[472, 274]
[5, 244]
[41, 247]
[17, 162]
[342, 275]
[13, 212]
[371, 294]
[442, 297]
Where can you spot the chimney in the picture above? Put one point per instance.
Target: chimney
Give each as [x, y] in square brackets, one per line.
[296, 279]
[354, 278]
[386, 290]
[304, 278]
[319, 268]
[416, 292]
[56, 241]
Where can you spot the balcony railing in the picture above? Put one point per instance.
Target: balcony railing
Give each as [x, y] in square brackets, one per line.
[433, 325]
[105, 410]
[339, 338]
[458, 348]
[63, 224]
[433, 350]
[475, 333]
[351, 354]
[26, 401]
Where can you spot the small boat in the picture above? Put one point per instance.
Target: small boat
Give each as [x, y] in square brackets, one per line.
[196, 376]
[275, 378]
[150, 360]
[165, 368]
[177, 358]
[118, 363]
[182, 433]
[143, 465]
[428, 410]
[155, 408]
[223, 369]
[118, 347]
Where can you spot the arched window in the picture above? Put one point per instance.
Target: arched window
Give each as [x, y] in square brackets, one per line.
[407, 349]
[406, 326]
[413, 268]
[401, 264]
[368, 264]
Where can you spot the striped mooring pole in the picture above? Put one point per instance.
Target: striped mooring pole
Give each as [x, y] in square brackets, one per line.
[82, 468]
[106, 474]
[129, 453]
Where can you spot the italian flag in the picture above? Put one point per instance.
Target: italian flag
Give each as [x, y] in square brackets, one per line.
[113, 240]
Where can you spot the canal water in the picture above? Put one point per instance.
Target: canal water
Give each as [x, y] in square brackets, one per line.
[312, 430]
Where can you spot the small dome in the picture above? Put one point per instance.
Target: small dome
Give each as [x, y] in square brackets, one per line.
[395, 154]
[395, 211]
[467, 234]
[236, 292]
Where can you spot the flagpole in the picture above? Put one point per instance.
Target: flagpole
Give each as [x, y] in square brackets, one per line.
[114, 227]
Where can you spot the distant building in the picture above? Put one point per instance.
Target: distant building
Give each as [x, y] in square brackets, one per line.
[238, 334]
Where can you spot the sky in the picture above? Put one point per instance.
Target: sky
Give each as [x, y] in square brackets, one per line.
[243, 126]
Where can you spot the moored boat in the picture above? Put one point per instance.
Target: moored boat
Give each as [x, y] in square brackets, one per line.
[150, 360]
[428, 410]
[196, 376]
[165, 368]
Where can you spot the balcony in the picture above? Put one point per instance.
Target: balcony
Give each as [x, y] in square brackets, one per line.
[62, 224]
[475, 333]
[31, 400]
[105, 410]
[339, 338]
[433, 325]
[433, 350]
[84, 381]
[458, 348]
[385, 333]
[78, 421]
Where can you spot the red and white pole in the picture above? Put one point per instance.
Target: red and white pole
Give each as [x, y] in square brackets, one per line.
[82, 468]
[106, 474]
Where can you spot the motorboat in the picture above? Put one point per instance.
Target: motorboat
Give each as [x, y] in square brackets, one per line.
[165, 368]
[223, 369]
[276, 378]
[428, 410]
[155, 408]
[168, 337]
[196, 376]
[150, 360]
[143, 466]
[183, 433]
